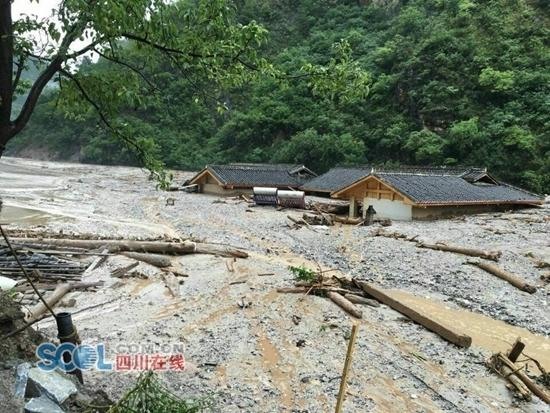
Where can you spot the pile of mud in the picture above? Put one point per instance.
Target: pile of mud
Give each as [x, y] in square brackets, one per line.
[20, 346]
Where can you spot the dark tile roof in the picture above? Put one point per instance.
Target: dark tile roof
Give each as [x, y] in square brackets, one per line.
[442, 188]
[249, 175]
[336, 178]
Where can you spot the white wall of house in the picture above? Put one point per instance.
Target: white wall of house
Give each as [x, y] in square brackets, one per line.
[386, 208]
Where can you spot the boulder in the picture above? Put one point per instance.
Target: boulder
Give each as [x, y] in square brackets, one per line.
[55, 385]
[42, 404]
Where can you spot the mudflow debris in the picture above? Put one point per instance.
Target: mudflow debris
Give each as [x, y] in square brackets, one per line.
[440, 304]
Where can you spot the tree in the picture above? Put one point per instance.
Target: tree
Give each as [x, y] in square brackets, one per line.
[137, 41]
[198, 37]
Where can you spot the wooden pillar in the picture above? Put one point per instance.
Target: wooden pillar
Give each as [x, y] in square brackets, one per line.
[352, 207]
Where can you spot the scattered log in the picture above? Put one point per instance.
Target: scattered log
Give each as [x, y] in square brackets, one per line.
[52, 299]
[345, 304]
[120, 272]
[445, 332]
[473, 252]
[156, 260]
[517, 372]
[505, 275]
[155, 247]
[357, 299]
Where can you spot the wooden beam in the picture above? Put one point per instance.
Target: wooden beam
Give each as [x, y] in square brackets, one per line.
[445, 332]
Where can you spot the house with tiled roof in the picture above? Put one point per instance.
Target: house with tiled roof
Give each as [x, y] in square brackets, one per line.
[240, 178]
[335, 179]
[423, 193]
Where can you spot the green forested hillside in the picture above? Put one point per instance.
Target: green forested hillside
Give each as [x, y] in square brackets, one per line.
[452, 82]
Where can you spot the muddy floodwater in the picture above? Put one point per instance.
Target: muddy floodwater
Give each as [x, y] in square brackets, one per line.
[493, 335]
[24, 216]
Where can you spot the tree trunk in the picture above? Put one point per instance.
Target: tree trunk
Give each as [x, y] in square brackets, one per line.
[154, 247]
[6, 73]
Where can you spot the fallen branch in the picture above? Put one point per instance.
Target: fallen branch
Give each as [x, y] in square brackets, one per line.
[445, 332]
[505, 275]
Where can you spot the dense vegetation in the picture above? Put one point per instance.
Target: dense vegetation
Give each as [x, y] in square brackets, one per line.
[452, 82]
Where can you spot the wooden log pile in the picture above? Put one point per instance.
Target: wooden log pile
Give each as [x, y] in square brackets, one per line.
[339, 290]
[508, 366]
[348, 294]
[44, 266]
[321, 218]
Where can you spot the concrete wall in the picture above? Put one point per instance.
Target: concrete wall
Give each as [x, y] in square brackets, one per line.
[435, 212]
[386, 208]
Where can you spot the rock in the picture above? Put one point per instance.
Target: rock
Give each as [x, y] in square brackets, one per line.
[52, 383]
[42, 404]
[7, 283]
[21, 377]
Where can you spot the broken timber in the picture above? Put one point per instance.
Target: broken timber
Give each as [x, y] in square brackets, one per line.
[345, 304]
[518, 378]
[445, 332]
[155, 247]
[505, 275]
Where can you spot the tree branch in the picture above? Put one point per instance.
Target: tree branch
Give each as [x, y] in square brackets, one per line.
[129, 141]
[129, 66]
[162, 48]
[47, 74]
[35, 92]
[20, 65]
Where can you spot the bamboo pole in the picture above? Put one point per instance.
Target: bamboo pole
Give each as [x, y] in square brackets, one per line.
[347, 365]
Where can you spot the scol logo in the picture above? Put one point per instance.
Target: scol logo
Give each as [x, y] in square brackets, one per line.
[82, 357]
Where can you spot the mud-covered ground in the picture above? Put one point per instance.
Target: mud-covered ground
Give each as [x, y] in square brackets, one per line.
[248, 359]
